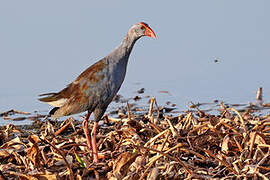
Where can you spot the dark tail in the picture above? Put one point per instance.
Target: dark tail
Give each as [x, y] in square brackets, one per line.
[49, 97]
[53, 111]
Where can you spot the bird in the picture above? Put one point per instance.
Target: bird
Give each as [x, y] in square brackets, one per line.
[94, 89]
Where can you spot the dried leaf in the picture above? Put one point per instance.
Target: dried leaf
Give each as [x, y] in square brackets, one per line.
[122, 163]
[69, 159]
[47, 177]
[153, 174]
[4, 153]
[225, 144]
[190, 145]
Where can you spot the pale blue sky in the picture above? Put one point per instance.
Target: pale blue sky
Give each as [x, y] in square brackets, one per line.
[44, 45]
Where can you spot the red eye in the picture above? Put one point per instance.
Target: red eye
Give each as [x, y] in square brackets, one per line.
[142, 27]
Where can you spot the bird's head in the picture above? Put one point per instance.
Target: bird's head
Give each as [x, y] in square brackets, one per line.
[141, 29]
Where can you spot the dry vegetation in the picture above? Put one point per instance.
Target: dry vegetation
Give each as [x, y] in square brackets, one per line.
[153, 145]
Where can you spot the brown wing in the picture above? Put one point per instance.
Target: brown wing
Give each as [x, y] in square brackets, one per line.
[78, 88]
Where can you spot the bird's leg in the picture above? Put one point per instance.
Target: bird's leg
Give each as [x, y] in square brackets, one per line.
[86, 131]
[94, 143]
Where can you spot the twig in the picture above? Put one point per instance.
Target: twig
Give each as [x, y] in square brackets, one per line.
[196, 129]
[262, 160]
[13, 111]
[22, 175]
[172, 128]
[59, 131]
[150, 112]
[241, 119]
[252, 139]
[147, 169]
[158, 113]
[259, 96]
[166, 140]
[170, 157]
[231, 128]
[128, 111]
[219, 160]
[71, 177]
[193, 152]
[237, 143]
[157, 129]
[159, 156]
[169, 150]
[2, 177]
[155, 138]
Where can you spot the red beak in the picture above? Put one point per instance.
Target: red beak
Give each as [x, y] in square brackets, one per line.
[148, 31]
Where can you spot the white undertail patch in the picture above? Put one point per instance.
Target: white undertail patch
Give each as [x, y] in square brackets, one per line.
[58, 103]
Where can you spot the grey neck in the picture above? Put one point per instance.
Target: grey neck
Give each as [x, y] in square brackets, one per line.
[123, 51]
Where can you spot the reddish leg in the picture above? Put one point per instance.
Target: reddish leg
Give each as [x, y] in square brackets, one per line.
[86, 131]
[94, 143]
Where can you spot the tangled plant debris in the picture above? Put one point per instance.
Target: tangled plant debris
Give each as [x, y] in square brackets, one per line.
[151, 145]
